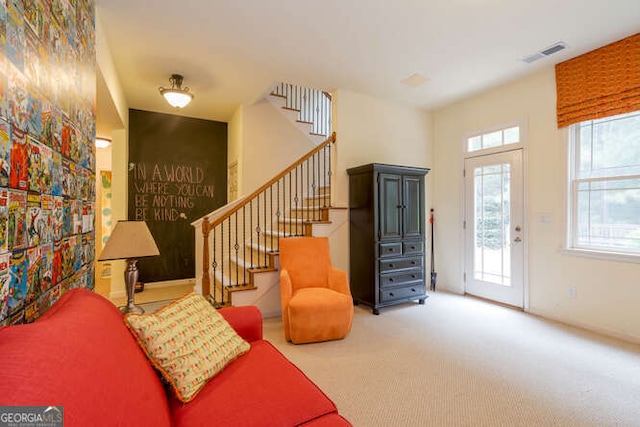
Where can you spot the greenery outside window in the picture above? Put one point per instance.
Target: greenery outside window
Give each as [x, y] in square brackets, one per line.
[604, 206]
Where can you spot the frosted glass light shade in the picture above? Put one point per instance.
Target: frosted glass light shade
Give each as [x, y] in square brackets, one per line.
[102, 142]
[177, 99]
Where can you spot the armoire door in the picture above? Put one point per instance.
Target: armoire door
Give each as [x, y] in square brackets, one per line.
[413, 221]
[390, 206]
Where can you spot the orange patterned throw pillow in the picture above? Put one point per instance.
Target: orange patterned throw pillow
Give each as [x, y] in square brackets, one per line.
[188, 341]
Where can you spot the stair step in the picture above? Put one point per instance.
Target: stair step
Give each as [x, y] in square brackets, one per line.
[242, 288]
[311, 213]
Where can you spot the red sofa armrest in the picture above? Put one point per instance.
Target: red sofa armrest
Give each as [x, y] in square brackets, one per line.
[246, 320]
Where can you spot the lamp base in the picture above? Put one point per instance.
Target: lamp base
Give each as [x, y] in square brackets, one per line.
[130, 279]
[131, 309]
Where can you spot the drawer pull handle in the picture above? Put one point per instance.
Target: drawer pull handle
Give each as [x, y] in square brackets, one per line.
[413, 276]
[390, 249]
[413, 247]
[413, 289]
[391, 265]
[413, 263]
[391, 279]
[390, 294]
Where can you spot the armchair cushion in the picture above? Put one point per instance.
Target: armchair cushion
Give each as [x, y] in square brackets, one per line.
[320, 314]
[307, 259]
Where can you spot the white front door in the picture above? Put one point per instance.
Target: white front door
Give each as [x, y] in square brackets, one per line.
[494, 228]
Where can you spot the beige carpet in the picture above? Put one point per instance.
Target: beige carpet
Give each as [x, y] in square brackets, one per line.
[459, 361]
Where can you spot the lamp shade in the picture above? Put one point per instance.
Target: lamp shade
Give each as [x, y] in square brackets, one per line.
[129, 239]
[177, 99]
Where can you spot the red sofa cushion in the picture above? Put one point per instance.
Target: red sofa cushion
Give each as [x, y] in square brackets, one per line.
[80, 355]
[259, 388]
[246, 320]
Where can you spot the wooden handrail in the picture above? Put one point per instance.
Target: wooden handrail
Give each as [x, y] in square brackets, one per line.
[250, 197]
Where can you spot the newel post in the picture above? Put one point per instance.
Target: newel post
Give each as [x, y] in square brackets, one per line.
[206, 283]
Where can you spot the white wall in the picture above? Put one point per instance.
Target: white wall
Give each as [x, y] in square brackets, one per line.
[235, 136]
[270, 144]
[607, 292]
[119, 147]
[371, 130]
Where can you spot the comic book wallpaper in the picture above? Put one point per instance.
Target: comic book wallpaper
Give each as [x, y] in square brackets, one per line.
[47, 156]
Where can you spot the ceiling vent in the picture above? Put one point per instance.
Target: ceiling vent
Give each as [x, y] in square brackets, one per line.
[546, 52]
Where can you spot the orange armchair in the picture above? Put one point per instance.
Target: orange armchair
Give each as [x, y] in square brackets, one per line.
[315, 296]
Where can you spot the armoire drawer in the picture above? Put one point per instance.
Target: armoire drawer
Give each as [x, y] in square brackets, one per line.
[405, 292]
[398, 279]
[413, 247]
[390, 249]
[400, 263]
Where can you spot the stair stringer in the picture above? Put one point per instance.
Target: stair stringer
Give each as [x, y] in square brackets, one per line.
[292, 116]
[266, 292]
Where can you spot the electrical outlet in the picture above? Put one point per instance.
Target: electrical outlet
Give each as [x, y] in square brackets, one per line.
[571, 292]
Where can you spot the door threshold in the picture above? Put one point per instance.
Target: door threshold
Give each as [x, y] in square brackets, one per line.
[490, 301]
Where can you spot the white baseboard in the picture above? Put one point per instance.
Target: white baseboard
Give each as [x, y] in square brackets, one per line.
[168, 283]
[592, 328]
[155, 285]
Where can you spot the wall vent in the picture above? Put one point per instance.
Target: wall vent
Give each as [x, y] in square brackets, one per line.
[544, 53]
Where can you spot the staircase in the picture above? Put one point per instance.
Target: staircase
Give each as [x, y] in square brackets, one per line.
[238, 244]
[309, 110]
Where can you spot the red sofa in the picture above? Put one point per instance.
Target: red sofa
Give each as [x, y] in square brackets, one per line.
[80, 355]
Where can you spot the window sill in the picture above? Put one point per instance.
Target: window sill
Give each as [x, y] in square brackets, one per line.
[607, 256]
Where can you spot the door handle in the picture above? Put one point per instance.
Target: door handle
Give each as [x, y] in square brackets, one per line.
[517, 239]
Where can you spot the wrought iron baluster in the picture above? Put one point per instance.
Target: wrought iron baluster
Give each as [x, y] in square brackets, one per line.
[314, 108]
[244, 245]
[258, 229]
[290, 192]
[324, 174]
[251, 230]
[278, 214]
[295, 202]
[214, 264]
[229, 251]
[222, 260]
[305, 199]
[236, 247]
[264, 232]
[328, 148]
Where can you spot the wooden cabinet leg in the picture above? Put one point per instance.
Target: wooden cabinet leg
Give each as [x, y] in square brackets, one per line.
[376, 311]
[421, 301]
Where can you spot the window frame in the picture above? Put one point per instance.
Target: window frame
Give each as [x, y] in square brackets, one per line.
[520, 123]
[571, 246]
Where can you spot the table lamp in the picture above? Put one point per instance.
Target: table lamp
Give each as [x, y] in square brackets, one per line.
[130, 240]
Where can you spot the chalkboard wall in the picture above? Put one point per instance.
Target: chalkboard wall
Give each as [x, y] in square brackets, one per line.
[177, 173]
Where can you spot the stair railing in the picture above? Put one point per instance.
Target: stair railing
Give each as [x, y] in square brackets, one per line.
[243, 235]
[313, 105]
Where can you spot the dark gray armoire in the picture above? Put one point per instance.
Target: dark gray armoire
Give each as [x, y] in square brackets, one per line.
[387, 234]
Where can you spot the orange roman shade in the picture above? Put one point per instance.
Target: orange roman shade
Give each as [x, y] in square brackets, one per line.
[600, 83]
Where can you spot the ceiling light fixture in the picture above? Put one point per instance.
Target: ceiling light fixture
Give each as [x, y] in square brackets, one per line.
[102, 142]
[176, 95]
